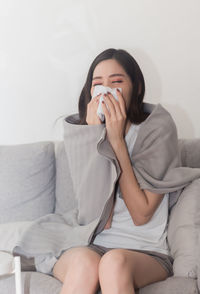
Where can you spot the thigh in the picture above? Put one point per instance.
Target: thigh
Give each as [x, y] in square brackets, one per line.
[141, 268]
[74, 256]
[145, 269]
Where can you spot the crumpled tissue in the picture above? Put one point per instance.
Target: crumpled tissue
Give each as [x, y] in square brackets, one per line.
[102, 89]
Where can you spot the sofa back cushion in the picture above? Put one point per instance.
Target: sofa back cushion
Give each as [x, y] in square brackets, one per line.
[184, 224]
[190, 152]
[27, 181]
[184, 220]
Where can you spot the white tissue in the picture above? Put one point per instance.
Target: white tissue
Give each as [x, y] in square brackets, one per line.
[101, 89]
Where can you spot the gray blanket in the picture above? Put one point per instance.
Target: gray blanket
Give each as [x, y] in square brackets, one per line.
[95, 172]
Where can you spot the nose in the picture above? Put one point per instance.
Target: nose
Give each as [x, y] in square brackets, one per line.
[107, 83]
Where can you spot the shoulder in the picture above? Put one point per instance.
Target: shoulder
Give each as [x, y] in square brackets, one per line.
[158, 120]
[158, 129]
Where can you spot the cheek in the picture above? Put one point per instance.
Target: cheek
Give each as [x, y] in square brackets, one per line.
[127, 96]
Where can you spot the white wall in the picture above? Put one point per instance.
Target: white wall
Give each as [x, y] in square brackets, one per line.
[46, 48]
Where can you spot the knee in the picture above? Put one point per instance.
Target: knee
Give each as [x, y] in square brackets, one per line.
[83, 261]
[78, 260]
[112, 262]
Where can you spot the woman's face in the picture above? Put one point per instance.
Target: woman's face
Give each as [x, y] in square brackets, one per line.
[110, 73]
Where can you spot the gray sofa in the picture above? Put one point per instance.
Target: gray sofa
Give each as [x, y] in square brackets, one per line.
[34, 181]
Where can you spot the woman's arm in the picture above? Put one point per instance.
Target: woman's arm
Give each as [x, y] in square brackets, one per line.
[140, 203]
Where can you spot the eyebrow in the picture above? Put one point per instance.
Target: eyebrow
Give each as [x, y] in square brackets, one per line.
[113, 75]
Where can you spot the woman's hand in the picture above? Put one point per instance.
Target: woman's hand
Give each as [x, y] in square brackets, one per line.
[92, 117]
[115, 117]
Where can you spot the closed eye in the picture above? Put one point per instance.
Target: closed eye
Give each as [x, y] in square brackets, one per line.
[112, 82]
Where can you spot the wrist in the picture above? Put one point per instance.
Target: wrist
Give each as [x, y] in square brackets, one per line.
[119, 145]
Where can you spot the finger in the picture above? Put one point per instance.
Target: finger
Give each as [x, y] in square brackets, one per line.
[98, 95]
[121, 102]
[116, 105]
[95, 99]
[105, 110]
[110, 105]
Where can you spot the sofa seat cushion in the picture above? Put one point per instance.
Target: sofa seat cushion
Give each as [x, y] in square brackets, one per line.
[39, 283]
[32, 283]
[172, 285]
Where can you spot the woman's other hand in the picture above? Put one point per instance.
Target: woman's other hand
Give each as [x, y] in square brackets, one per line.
[92, 118]
[115, 117]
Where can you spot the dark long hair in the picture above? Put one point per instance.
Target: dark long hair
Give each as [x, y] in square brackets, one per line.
[135, 112]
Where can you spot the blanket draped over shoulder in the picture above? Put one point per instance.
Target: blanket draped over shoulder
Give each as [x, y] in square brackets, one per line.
[95, 171]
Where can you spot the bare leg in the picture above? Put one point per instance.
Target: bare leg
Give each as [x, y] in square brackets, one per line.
[77, 268]
[123, 271]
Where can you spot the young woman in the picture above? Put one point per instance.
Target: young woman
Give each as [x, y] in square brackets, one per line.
[132, 250]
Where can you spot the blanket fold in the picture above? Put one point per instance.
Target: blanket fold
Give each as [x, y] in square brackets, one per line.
[88, 162]
[95, 172]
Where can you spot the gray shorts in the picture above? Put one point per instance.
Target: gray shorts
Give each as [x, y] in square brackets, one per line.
[165, 260]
